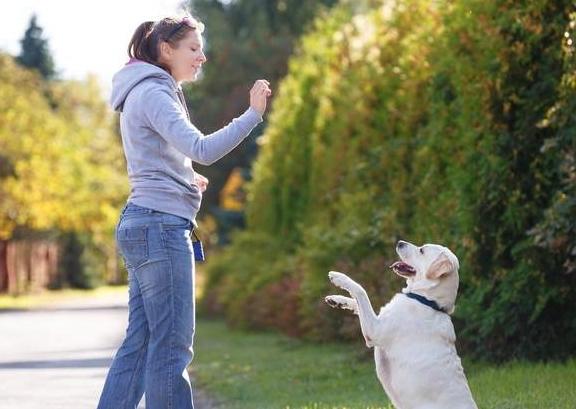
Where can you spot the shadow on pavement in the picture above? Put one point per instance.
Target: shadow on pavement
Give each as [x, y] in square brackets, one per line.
[71, 363]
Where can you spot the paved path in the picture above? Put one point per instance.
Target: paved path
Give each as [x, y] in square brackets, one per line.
[58, 357]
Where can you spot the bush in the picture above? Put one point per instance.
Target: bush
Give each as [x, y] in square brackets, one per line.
[80, 262]
[432, 121]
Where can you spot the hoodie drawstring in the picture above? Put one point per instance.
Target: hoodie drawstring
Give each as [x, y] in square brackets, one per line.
[183, 102]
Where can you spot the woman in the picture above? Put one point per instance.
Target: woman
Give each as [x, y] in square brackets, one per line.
[153, 233]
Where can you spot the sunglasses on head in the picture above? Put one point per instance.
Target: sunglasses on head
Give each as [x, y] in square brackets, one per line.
[185, 22]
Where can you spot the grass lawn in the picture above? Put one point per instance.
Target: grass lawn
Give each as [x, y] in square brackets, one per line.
[269, 371]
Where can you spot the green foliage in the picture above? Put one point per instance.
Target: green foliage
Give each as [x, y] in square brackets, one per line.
[235, 291]
[515, 303]
[447, 122]
[35, 52]
[246, 40]
[80, 263]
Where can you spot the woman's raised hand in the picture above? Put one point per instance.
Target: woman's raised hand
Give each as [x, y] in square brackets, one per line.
[258, 95]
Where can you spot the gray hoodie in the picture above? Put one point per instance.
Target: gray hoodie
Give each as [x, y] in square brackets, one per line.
[160, 143]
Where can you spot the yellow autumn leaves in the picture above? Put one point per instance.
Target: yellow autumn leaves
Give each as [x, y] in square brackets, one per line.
[61, 163]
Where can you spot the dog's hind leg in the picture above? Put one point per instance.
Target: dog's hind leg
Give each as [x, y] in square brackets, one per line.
[368, 319]
[339, 301]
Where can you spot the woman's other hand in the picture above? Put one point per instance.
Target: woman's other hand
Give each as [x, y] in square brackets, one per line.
[258, 95]
[201, 181]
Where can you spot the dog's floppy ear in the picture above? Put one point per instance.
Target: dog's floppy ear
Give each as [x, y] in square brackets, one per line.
[441, 266]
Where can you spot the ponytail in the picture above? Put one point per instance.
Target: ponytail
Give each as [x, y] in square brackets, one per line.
[139, 46]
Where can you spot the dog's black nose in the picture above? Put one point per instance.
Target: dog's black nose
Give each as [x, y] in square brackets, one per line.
[401, 244]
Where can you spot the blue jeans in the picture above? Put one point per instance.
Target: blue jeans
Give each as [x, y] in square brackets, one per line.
[157, 349]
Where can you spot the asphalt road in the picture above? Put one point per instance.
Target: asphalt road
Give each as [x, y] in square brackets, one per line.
[58, 357]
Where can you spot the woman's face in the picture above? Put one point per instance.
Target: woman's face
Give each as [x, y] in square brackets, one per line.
[185, 60]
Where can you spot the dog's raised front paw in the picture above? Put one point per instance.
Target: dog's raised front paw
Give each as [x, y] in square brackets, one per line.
[340, 280]
[332, 301]
[339, 301]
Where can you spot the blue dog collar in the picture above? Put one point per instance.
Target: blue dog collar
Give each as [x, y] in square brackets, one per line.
[423, 300]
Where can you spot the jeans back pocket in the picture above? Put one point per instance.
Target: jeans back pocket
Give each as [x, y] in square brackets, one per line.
[133, 244]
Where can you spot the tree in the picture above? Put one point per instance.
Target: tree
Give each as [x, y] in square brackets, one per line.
[245, 40]
[61, 165]
[35, 52]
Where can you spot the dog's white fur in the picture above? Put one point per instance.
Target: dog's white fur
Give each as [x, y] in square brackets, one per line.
[416, 359]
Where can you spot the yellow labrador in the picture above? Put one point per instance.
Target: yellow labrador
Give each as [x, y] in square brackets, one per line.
[413, 336]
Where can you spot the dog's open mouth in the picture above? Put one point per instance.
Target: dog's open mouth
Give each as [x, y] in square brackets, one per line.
[403, 269]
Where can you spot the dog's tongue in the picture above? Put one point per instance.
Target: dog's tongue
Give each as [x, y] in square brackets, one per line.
[403, 267]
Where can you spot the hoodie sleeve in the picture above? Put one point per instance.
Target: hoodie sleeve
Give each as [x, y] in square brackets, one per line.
[165, 116]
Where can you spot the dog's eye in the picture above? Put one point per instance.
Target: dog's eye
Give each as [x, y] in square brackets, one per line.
[421, 250]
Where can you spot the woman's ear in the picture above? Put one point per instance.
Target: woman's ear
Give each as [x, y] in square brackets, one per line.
[165, 52]
[439, 267]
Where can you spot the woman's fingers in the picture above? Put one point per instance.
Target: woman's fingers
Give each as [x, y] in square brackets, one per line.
[258, 94]
[201, 181]
[265, 91]
[261, 84]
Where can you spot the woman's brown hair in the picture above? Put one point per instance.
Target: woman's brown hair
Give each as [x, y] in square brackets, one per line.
[145, 41]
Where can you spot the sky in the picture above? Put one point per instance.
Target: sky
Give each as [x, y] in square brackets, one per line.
[84, 36]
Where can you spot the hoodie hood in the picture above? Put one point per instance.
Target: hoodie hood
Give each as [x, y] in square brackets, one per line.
[132, 74]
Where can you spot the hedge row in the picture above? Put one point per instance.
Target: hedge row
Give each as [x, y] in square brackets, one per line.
[446, 122]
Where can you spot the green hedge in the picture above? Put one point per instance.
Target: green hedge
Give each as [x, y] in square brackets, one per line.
[447, 122]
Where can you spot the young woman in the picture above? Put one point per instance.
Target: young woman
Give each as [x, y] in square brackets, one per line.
[153, 233]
